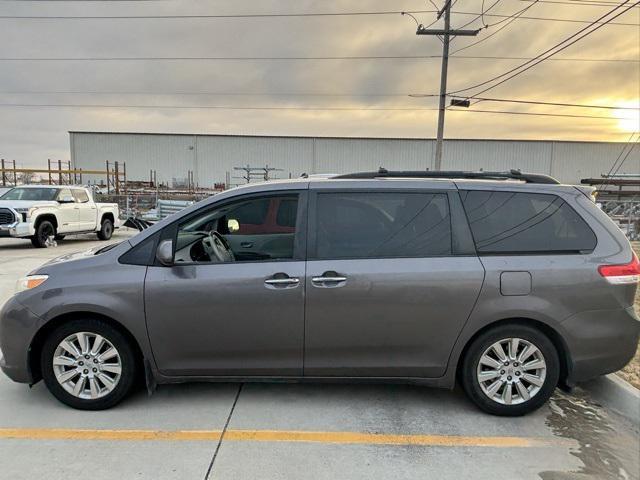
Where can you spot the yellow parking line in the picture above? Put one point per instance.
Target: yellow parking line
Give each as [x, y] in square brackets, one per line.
[277, 436]
[78, 434]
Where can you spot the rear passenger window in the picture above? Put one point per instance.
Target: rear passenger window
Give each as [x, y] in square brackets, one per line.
[378, 225]
[80, 196]
[508, 222]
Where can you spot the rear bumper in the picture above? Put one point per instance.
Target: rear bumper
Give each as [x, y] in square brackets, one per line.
[17, 328]
[600, 342]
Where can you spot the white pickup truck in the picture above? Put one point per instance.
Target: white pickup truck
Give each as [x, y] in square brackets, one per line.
[41, 212]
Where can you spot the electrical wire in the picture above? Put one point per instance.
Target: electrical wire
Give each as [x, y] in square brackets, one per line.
[508, 21]
[481, 15]
[359, 57]
[604, 184]
[576, 3]
[212, 16]
[508, 75]
[546, 19]
[231, 107]
[537, 102]
[192, 17]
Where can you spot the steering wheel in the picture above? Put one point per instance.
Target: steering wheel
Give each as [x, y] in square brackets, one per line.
[217, 247]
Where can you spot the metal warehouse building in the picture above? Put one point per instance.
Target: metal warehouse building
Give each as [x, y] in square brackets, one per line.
[212, 158]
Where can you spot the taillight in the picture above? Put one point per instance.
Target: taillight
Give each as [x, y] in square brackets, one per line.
[622, 274]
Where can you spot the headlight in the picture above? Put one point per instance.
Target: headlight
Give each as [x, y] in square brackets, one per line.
[25, 212]
[29, 282]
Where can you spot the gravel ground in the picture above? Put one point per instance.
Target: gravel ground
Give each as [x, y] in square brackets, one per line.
[631, 373]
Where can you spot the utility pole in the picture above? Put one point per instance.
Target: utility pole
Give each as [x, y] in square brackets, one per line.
[445, 35]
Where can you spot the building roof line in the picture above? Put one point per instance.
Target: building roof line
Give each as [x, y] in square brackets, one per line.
[330, 137]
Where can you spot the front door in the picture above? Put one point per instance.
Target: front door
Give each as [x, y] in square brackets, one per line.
[221, 311]
[87, 210]
[387, 293]
[67, 212]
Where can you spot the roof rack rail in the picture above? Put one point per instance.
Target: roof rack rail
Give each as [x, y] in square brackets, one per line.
[509, 175]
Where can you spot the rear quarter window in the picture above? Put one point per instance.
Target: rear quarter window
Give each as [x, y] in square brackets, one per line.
[520, 223]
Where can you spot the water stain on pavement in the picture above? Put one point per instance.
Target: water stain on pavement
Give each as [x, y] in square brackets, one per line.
[609, 447]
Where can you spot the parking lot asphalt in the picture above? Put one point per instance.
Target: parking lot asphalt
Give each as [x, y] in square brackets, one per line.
[297, 431]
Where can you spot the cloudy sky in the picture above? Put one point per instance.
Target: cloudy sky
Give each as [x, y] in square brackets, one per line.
[338, 97]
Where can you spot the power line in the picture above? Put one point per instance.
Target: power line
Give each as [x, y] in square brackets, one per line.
[579, 35]
[231, 107]
[211, 93]
[482, 13]
[557, 104]
[546, 19]
[508, 20]
[212, 16]
[337, 14]
[538, 114]
[313, 94]
[613, 165]
[582, 3]
[301, 58]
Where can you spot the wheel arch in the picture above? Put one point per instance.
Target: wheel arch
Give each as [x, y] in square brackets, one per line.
[107, 216]
[35, 348]
[46, 216]
[551, 333]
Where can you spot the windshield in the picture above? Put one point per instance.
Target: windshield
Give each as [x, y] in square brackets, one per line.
[30, 194]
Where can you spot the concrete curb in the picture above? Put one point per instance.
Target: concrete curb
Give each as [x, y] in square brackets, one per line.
[616, 394]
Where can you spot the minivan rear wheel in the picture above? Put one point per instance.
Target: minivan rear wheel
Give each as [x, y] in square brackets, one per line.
[510, 370]
[87, 364]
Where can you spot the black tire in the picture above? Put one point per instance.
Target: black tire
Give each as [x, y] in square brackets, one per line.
[120, 343]
[44, 230]
[59, 237]
[471, 384]
[106, 229]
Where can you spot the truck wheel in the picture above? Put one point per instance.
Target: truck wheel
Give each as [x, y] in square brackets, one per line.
[106, 229]
[510, 370]
[87, 364]
[44, 230]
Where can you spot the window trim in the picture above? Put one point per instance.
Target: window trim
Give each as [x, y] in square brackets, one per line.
[170, 232]
[312, 237]
[533, 252]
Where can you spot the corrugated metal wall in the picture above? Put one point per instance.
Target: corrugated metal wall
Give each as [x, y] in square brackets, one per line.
[210, 157]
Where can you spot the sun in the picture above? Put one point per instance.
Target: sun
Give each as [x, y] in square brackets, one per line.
[628, 120]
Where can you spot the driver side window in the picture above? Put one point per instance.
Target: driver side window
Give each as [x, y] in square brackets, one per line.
[255, 229]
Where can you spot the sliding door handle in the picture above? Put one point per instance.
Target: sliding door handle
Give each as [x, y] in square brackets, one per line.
[328, 279]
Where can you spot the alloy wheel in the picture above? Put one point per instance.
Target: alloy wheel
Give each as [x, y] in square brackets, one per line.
[511, 371]
[87, 365]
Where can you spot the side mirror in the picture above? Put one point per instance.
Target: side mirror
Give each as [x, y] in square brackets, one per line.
[233, 225]
[164, 252]
[66, 200]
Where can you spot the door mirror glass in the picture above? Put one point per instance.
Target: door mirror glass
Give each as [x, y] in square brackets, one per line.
[164, 253]
[233, 225]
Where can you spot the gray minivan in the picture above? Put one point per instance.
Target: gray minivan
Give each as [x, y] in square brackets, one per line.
[509, 283]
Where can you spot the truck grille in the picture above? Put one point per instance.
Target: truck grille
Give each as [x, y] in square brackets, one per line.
[6, 216]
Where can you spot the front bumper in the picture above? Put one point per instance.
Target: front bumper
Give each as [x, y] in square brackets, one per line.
[18, 326]
[17, 230]
[600, 342]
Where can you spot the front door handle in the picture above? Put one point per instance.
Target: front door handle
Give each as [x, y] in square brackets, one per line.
[281, 280]
[328, 279]
[246, 244]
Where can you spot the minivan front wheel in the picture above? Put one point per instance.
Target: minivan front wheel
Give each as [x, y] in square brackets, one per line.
[88, 364]
[510, 370]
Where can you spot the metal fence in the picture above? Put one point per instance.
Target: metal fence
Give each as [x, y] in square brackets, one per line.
[150, 205]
